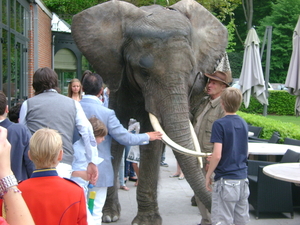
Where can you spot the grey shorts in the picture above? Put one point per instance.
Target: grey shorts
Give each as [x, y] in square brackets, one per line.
[230, 202]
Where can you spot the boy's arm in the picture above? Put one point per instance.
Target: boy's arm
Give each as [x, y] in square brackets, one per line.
[81, 174]
[214, 161]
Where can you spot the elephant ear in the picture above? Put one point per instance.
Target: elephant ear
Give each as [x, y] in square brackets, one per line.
[209, 37]
[98, 33]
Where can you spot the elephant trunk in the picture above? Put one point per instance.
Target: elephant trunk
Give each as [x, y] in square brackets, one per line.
[174, 118]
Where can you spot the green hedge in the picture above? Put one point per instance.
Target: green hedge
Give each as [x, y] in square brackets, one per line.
[289, 130]
[280, 103]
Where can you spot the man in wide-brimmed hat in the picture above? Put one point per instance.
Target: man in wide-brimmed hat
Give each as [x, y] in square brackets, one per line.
[209, 110]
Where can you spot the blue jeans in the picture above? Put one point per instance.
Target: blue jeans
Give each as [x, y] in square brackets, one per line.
[129, 171]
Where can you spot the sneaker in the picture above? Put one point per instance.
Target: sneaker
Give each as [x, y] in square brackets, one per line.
[164, 164]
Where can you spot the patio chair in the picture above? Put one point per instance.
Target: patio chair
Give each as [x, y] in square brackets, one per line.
[290, 141]
[273, 139]
[292, 156]
[268, 194]
[255, 130]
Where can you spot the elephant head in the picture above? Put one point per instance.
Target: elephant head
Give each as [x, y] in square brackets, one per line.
[156, 48]
[150, 57]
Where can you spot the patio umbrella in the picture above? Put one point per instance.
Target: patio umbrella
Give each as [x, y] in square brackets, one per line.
[251, 78]
[292, 81]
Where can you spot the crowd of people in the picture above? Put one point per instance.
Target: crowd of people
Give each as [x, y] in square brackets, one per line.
[50, 158]
[39, 112]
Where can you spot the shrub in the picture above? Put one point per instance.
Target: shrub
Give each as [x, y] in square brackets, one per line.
[280, 103]
[289, 130]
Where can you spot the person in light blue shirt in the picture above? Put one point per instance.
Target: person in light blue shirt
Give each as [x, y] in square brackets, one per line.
[80, 161]
[92, 106]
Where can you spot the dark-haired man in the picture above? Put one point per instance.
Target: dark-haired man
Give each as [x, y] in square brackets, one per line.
[209, 110]
[52, 110]
[92, 106]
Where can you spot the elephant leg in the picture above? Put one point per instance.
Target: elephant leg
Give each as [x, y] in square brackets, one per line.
[148, 213]
[112, 208]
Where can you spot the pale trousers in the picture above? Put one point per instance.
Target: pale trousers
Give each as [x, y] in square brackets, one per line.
[122, 170]
[98, 203]
[230, 202]
[206, 217]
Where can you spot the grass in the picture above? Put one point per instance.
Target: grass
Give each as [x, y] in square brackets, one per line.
[288, 119]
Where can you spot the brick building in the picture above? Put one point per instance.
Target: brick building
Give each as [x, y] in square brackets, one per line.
[27, 43]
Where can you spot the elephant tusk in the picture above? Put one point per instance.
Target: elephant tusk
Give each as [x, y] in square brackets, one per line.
[196, 143]
[172, 144]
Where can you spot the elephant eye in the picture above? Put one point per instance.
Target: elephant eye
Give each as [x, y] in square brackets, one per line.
[146, 61]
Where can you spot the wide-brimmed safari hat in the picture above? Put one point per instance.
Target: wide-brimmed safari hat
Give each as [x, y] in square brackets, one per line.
[219, 76]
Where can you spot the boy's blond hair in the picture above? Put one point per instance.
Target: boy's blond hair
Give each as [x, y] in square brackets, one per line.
[231, 99]
[45, 145]
[99, 127]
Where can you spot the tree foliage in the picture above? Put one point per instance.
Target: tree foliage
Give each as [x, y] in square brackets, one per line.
[222, 9]
[283, 19]
[261, 9]
[67, 8]
[282, 15]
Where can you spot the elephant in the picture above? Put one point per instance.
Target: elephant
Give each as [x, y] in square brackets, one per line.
[153, 60]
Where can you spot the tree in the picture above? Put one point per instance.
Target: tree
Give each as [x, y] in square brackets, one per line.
[248, 12]
[65, 9]
[222, 9]
[243, 23]
[283, 19]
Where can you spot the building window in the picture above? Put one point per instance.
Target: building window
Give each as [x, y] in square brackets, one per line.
[65, 66]
[14, 28]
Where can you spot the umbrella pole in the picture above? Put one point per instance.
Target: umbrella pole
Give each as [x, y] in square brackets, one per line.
[267, 72]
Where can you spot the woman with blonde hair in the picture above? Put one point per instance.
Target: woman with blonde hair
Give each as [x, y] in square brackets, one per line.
[75, 89]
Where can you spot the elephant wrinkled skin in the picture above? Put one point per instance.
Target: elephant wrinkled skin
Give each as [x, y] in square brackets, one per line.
[149, 58]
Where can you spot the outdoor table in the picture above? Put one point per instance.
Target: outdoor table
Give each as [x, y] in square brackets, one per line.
[289, 172]
[269, 149]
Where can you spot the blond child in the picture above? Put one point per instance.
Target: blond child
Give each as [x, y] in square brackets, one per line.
[61, 201]
[229, 163]
[80, 163]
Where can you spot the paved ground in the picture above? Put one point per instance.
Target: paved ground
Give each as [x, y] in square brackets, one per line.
[175, 206]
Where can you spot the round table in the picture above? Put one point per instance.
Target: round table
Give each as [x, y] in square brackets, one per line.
[258, 148]
[289, 172]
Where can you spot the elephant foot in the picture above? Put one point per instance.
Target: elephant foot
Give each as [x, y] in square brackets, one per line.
[111, 214]
[109, 219]
[147, 219]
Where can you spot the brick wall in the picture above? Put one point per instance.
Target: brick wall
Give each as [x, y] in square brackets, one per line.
[44, 54]
[45, 39]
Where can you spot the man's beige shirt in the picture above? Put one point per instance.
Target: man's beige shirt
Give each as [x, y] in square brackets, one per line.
[208, 112]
